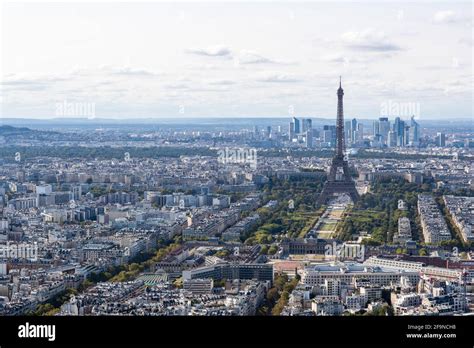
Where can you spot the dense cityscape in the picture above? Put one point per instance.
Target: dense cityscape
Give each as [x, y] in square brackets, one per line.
[236, 173]
[292, 217]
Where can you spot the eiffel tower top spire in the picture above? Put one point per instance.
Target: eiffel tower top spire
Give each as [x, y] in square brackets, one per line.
[340, 91]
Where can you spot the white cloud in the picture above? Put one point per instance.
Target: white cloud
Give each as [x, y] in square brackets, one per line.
[350, 58]
[446, 17]
[251, 57]
[214, 51]
[277, 77]
[251, 60]
[26, 82]
[221, 82]
[128, 71]
[369, 40]
[334, 58]
[180, 86]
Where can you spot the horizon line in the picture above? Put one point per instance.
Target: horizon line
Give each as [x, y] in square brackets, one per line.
[91, 119]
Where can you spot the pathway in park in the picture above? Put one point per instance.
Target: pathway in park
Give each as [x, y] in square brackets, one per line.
[326, 225]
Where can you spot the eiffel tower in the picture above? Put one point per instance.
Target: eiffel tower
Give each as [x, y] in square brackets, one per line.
[339, 179]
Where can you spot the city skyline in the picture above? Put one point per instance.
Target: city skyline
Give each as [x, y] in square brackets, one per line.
[161, 161]
[177, 65]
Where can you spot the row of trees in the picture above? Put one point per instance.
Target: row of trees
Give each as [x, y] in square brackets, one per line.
[457, 240]
[53, 306]
[103, 152]
[140, 263]
[328, 153]
[278, 295]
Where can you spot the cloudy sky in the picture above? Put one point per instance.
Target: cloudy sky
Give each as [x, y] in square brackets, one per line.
[236, 59]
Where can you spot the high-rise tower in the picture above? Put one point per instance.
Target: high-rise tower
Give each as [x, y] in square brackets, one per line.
[339, 179]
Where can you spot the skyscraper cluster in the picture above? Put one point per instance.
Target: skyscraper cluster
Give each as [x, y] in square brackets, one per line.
[400, 133]
[354, 132]
[301, 130]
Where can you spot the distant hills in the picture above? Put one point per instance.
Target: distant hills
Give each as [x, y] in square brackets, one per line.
[10, 130]
[7, 131]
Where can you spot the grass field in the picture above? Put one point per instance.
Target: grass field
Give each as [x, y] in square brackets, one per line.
[325, 235]
[336, 214]
[328, 227]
